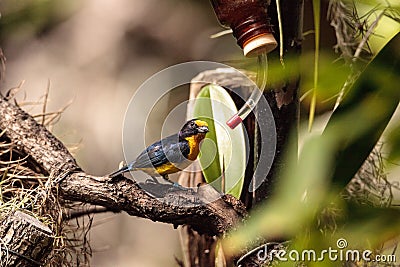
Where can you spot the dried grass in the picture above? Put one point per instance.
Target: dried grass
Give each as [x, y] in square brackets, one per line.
[370, 185]
[353, 33]
[23, 186]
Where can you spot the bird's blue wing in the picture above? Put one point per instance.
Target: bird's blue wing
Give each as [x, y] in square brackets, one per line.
[169, 149]
[177, 152]
[153, 156]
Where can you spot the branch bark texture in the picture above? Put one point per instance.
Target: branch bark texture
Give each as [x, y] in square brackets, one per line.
[171, 205]
[25, 241]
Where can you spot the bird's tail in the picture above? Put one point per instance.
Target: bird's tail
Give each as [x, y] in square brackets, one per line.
[121, 171]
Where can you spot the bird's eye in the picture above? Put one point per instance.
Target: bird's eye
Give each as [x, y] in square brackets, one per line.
[193, 124]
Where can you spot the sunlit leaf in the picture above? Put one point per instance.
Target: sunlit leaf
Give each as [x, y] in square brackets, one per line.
[393, 143]
[316, 12]
[224, 150]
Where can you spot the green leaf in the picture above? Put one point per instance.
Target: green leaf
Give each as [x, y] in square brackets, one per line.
[392, 140]
[224, 150]
[317, 15]
[365, 112]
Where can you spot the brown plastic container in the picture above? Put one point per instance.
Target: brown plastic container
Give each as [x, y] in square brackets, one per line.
[250, 24]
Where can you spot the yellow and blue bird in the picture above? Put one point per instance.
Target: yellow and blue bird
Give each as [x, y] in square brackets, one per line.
[171, 154]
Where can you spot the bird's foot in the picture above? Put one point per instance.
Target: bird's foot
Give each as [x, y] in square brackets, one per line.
[175, 184]
[152, 180]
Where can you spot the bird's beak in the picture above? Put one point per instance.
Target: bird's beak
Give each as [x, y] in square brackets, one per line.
[203, 129]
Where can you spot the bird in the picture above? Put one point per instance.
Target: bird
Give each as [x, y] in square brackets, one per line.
[171, 154]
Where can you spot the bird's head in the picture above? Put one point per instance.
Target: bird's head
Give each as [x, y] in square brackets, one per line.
[194, 127]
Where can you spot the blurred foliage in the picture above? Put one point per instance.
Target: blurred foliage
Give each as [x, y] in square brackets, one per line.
[333, 75]
[23, 19]
[308, 206]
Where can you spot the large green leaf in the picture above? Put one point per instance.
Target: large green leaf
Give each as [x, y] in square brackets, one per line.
[374, 98]
[223, 153]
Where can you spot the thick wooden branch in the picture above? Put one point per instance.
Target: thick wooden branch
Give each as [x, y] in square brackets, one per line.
[25, 241]
[172, 205]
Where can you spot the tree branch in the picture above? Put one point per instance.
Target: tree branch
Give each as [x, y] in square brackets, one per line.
[172, 205]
